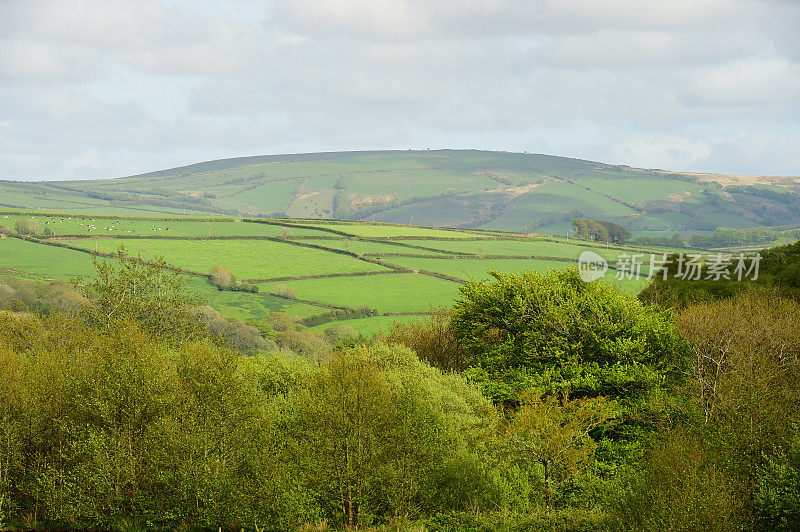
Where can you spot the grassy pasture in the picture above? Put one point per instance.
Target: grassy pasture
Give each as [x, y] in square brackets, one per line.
[389, 231]
[245, 306]
[558, 201]
[106, 226]
[638, 190]
[246, 259]
[386, 293]
[523, 248]
[371, 325]
[476, 269]
[44, 261]
[365, 247]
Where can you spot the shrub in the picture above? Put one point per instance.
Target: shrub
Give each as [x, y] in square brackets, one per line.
[338, 333]
[433, 340]
[222, 277]
[286, 291]
[27, 226]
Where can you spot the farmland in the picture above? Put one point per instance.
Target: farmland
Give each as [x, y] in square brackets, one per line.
[308, 269]
[445, 188]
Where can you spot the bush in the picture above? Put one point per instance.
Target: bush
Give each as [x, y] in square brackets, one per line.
[339, 333]
[222, 277]
[433, 341]
[27, 226]
[680, 487]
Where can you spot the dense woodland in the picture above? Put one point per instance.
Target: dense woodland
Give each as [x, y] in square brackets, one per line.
[536, 402]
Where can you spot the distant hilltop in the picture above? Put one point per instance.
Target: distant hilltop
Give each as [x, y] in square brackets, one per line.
[453, 188]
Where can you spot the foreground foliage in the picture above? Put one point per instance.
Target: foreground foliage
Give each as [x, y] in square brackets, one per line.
[539, 402]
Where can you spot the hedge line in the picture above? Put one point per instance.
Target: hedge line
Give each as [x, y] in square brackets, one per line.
[118, 217]
[335, 315]
[326, 276]
[308, 301]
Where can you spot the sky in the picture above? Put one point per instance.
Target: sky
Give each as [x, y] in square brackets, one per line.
[107, 88]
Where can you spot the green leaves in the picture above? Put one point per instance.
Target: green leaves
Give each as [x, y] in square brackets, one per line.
[527, 326]
[151, 293]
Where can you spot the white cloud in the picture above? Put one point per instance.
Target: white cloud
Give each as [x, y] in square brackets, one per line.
[752, 81]
[665, 152]
[92, 88]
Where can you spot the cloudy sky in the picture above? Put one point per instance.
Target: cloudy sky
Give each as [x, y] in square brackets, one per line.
[104, 88]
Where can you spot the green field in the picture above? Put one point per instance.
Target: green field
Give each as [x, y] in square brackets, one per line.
[367, 247]
[246, 259]
[452, 188]
[316, 267]
[406, 292]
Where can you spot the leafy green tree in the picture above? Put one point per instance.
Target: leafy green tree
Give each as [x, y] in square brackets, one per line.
[560, 333]
[345, 412]
[382, 434]
[679, 487]
[150, 293]
[777, 494]
[600, 230]
[554, 432]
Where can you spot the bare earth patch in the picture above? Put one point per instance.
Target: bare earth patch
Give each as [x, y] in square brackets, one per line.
[678, 197]
[306, 196]
[730, 179]
[516, 190]
[358, 202]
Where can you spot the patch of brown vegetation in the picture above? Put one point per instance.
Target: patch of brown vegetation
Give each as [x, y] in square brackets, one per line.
[358, 202]
[516, 190]
[678, 197]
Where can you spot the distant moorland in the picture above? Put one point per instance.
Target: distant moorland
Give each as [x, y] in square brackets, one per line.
[468, 188]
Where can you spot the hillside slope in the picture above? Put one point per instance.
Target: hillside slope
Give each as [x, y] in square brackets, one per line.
[492, 190]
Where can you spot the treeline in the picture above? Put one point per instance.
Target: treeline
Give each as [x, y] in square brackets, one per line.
[717, 277]
[537, 402]
[729, 237]
[600, 231]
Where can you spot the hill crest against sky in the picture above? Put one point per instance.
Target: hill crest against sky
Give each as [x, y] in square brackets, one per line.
[458, 188]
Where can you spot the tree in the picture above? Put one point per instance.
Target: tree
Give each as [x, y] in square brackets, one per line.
[27, 226]
[286, 291]
[554, 432]
[557, 331]
[746, 372]
[149, 293]
[222, 277]
[344, 413]
[433, 340]
[600, 230]
[338, 333]
[380, 432]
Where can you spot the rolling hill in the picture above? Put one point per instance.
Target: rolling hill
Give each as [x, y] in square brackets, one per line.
[466, 189]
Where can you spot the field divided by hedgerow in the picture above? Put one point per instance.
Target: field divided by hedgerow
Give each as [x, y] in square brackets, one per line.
[363, 274]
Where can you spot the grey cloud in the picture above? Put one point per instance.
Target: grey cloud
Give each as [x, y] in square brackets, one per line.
[92, 88]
